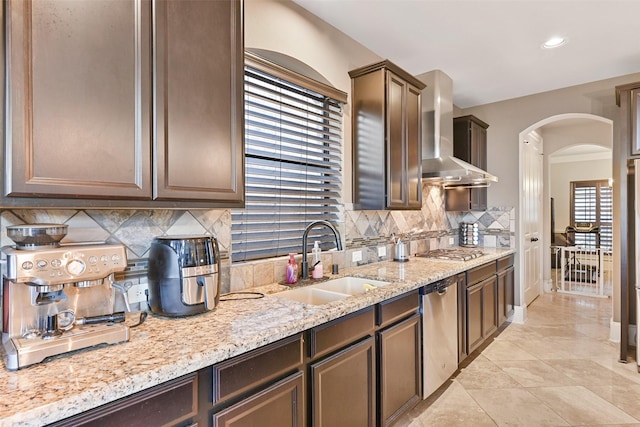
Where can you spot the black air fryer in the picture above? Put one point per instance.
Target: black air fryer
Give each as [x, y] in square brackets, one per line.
[183, 275]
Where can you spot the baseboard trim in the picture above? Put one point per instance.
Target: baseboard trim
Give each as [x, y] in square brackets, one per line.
[633, 331]
[614, 331]
[519, 314]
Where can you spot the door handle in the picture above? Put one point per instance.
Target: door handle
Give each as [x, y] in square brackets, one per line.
[534, 239]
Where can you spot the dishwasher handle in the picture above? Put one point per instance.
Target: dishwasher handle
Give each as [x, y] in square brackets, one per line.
[440, 287]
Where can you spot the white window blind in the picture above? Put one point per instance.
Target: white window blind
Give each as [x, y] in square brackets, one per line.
[293, 161]
[592, 203]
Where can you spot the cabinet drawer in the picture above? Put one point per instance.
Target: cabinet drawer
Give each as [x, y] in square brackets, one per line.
[397, 308]
[340, 332]
[258, 367]
[281, 404]
[167, 404]
[477, 274]
[505, 262]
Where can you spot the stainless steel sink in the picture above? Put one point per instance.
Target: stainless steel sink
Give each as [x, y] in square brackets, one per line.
[332, 290]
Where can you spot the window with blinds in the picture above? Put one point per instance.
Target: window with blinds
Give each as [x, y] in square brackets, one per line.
[293, 161]
[592, 203]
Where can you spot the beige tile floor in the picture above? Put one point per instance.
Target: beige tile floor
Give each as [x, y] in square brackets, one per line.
[557, 369]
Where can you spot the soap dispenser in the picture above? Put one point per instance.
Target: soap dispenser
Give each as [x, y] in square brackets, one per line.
[292, 270]
[316, 269]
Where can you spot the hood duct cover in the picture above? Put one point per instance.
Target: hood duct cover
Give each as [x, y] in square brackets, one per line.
[438, 162]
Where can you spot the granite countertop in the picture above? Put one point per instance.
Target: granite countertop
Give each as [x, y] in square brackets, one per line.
[162, 349]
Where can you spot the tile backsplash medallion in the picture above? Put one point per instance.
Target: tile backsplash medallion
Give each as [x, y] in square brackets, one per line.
[364, 231]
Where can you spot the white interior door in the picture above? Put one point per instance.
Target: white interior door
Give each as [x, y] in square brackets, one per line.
[532, 185]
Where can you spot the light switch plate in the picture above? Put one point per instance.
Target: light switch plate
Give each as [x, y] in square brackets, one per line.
[356, 256]
[382, 251]
[452, 241]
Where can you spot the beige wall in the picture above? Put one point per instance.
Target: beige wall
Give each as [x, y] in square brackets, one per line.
[285, 27]
[508, 118]
[561, 175]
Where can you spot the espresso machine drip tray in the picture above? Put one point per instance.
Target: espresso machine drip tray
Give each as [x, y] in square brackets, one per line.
[34, 349]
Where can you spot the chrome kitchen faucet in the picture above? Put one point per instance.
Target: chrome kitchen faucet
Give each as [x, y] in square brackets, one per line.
[305, 235]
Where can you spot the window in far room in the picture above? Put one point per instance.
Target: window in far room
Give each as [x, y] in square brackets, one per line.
[592, 203]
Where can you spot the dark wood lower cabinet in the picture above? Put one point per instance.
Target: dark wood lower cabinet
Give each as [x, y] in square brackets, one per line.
[343, 387]
[280, 405]
[506, 279]
[506, 288]
[474, 317]
[174, 403]
[485, 304]
[399, 368]
[462, 317]
[482, 316]
[509, 293]
[489, 307]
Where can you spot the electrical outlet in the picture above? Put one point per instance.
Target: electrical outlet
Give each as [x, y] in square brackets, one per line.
[356, 256]
[452, 241]
[136, 293]
[382, 251]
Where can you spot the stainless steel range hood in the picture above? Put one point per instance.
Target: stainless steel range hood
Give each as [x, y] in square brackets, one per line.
[438, 162]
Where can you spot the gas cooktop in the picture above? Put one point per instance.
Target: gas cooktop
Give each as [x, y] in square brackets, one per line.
[452, 254]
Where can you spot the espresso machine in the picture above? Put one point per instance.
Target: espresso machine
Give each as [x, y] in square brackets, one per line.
[58, 298]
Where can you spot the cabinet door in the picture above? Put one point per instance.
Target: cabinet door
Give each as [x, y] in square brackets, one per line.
[396, 147]
[635, 122]
[199, 101]
[509, 283]
[282, 404]
[78, 121]
[414, 148]
[474, 317]
[404, 124]
[462, 317]
[399, 350]
[502, 299]
[343, 388]
[168, 404]
[489, 308]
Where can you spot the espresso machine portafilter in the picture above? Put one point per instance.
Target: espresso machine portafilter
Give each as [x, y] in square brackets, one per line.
[49, 290]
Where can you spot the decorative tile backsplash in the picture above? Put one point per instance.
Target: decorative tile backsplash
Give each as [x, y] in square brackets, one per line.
[364, 231]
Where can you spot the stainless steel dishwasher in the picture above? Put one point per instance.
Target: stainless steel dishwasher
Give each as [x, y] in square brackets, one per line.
[439, 333]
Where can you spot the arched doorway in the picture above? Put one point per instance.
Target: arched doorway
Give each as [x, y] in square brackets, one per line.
[582, 127]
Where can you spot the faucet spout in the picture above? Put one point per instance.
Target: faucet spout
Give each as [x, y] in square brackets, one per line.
[305, 236]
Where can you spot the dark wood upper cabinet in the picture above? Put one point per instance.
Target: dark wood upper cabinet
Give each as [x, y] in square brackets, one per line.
[386, 137]
[470, 145]
[106, 107]
[199, 101]
[628, 97]
[78, 117]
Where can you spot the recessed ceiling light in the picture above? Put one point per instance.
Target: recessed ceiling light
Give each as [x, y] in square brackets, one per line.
[554, 42]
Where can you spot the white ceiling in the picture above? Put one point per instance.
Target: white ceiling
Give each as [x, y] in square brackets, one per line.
[491, 48]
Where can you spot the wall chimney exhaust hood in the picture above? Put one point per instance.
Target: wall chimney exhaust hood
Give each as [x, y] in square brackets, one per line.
[438, 162]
